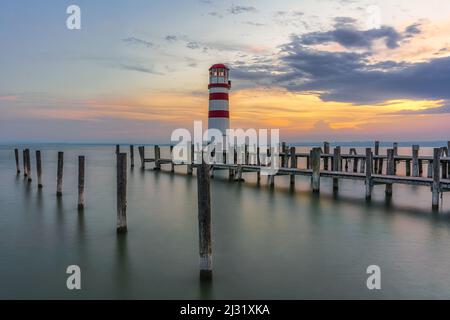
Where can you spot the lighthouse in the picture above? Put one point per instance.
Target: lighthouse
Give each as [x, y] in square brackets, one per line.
[219, 86]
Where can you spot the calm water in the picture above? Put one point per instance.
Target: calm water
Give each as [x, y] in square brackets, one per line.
[268, 244]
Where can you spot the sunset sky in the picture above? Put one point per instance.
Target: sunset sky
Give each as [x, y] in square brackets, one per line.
[315, 69]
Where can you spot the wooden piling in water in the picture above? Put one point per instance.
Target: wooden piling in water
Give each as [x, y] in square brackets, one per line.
[326, 150]
[131, 156]
[415, 160]
[39, 168]
[315, 164]
[337, 165]
[191, 157]
[157, 152]
[355, 160]
[81, 165]
[430, 169]
[24, 160]
[121, 192]
[141, 151]
[293, 165]
[16, 155]
[408, 168]
[117, 148]
[59, 174]
[172, 164]
[395, 148]
[377, 152]
[436, 178]
[369, 183]
[444, 168]
[258, 163]
[29, 165]
[389, 169]
[204, 222]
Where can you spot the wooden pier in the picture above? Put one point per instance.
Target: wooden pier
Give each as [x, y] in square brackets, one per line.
[322, 163]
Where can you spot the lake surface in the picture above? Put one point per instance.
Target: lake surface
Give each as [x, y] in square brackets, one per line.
[268, 244]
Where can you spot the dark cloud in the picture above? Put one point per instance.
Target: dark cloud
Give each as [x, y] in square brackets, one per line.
[215, 14]
[348, 76]
[241, 9]
[139, 68]
[192, 45]
[171, 38]
[137, 41]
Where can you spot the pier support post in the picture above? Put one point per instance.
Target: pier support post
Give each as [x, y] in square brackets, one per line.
[293, 165]
[337, 165]
[157, 158]
[16, 154]
[415, 160]
[29, 165]
[408, 168]
[172, 164]
[204, 222]
[369, 182]
[377, 152]
[59, 174]
[430, 169]
[24, 159]
[121, 192]
[191, 157]
[315, 163]
[326, 150]
[395, 147]
[117, 148]
[436, 177]
[141, 150]
[258, 163]
[390, 169]
[132, 156]
[444, 153]
[81, 162]
[39, 168]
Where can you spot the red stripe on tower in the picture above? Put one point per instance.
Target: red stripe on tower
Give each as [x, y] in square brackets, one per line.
[218, 114]
[218, 96]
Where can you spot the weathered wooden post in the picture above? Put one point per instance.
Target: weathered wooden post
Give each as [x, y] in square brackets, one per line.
[258, 164]
[172, 164]
[315, 163]
[369, 183]
[377, 152]
[420, 167]
[444, 153]
[39, 168]
[157, 152]
[355, 160]
[117, 148]
[16, 154]
[81, 160]
[415, 160]
[121, 192]
[408, 168]
[29, 165]
[436, 177]
[59, 174]
[141, 150]
[326, 150]
[190, 158]
[283, 154]
[395, 147]
[132, 156]
[337, 165]
[380, 165]
[430, 169]
[293, 165]
[24, 158]
[389, 169]
[204, 222]
[246, 154]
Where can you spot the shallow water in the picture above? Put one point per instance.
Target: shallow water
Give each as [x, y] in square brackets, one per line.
[268, 244]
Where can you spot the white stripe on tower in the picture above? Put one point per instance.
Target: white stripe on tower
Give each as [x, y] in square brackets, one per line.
[219, 86]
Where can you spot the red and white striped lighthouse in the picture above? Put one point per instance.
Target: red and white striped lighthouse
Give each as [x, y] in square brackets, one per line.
[219, 86]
